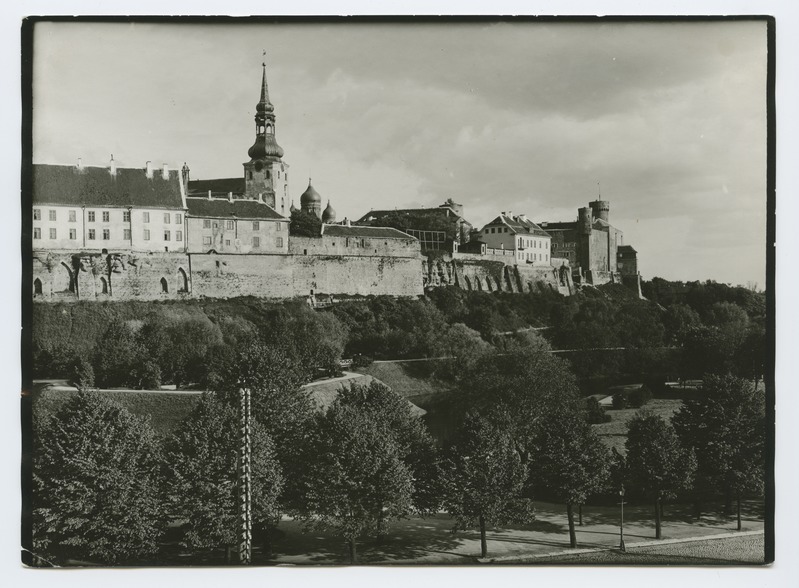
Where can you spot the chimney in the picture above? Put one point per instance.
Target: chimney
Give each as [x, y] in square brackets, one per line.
[347, 222]
[113, 168]
[165, 173]
[80, 164]
[209, 194]
[510, 213]
[261, 197]
[523, 218]
[230, 197]
[148, 169]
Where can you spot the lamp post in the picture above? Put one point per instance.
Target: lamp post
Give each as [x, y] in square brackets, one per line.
[621, 522]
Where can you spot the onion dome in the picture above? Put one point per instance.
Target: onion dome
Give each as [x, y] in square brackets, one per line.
[329, 215]
[310, 197]
[292, 208]
[265, 146]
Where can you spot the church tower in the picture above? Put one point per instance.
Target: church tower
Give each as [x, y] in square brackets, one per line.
[265, 175]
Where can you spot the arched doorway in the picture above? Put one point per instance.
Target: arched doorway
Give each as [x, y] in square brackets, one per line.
[63, 279]
[103, 285]
[164, 286]
[183, 281]
[37, 287]
[478, 284]
[488, 284]
[468, 282]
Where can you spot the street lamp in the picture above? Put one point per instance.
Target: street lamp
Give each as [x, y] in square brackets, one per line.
[621, 522]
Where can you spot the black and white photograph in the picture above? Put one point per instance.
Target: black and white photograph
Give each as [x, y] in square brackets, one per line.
[418, 291]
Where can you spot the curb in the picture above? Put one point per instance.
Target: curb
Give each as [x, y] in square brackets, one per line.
[650, 543]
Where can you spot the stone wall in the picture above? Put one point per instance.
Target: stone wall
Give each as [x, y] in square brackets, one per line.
[286, 276]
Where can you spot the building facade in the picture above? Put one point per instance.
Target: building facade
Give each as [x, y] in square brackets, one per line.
[529, 242]
[97, 208]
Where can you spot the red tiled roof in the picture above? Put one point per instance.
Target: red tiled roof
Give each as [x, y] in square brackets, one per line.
[95, 186]
[223, 208]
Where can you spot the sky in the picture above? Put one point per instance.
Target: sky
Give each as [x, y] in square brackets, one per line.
[666, 120]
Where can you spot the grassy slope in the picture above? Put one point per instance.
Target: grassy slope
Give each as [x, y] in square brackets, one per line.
[410, 379]
[614, 433]
[166, 410]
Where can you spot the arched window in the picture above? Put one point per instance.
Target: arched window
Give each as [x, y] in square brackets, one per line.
[468, 282]
[37, 287]
[63, 279]
[104, 284]
[269, 129]
[183, 280]
[164, 286]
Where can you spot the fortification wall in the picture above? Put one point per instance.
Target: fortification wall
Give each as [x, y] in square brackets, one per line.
[125, 276]
[493, 273]
[286, 276]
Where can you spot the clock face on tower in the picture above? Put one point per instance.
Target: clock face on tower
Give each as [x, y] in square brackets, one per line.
[259, 165]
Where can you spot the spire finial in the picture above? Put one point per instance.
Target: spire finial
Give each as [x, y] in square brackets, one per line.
[598, 190]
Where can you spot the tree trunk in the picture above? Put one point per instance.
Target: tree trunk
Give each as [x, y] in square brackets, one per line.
[483, 542]
[657, 518]
[228, 554]
[580, 514]
[698, 509]
[738, 504]
[267, 544]
[572, 534]
[380, 531]
[353, 551]
[661, 510]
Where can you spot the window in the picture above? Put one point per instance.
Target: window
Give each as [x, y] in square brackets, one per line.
[256, 242]
[167, 235]
[279, 226]
[53, 234]
[72, 217]
[230, 225]
[206, 240]
[206, 224]
[178, 235]
[146, 217]
[37, 214]
[52, 215]
[279, 242]
[178, 218]
[166, 218]
[37, 233]
[126, 233]
[91, 216]
[106, 216]
[256, 226]
[106, 234]
[216, 225]
[73, 234]
[91, 234]
[126, 216]
[227, 242]
[146, 233]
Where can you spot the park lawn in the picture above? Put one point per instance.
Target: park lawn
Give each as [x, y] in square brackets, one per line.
[614, 433]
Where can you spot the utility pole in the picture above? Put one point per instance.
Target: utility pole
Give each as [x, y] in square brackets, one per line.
[244, 479]
[621, 522]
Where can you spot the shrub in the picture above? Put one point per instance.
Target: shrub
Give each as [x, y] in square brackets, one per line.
[640, 397]
[620, 401]
[361, 361]
[594, 413]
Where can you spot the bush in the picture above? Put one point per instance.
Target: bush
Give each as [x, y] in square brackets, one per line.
[620, 401]
[594, 413]
[640, 397]
[361, 361]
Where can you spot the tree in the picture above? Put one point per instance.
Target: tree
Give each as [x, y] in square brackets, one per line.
[116, 354]
[569, 460]
[657, 466]
[305, 224]
[353, 474]
[200, 473]
[485, 477]
[415, 447]
[95, 483]
[725, 426]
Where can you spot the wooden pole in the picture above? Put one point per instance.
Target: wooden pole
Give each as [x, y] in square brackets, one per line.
[244, 479]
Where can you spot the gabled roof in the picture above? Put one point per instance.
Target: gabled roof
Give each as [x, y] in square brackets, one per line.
[224, 208]
[626, 248]
[366, 232]
[518, 225]
[221, 185]
[95, 186]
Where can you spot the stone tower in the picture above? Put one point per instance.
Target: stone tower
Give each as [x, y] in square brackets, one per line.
[266, 175]
[600, 209]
